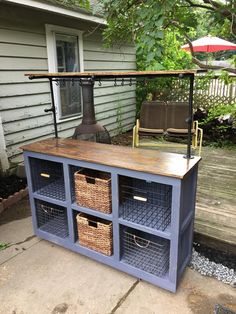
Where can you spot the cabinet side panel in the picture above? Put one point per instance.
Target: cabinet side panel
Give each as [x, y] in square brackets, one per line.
[30, 187]
[189, 185]
[175, 232]
[187, 220]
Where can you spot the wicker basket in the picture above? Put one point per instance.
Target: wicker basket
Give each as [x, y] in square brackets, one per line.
[95, 233]
[93, 190]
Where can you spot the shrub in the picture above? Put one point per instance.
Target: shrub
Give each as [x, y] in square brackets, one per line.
[218, 123]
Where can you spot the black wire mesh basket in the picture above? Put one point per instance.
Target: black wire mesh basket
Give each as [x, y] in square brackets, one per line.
[47, 178]
[145, 251]
[52, 218]
[146, 203]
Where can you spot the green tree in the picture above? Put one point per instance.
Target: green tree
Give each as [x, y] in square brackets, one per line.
[74, 3]
[147, 23]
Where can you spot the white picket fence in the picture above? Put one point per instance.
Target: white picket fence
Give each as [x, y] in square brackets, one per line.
[217, 87]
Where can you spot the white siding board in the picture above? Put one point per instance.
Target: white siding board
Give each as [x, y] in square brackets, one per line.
[24, 101]
[19, 50]
[25, 135]
[113, 119]
[95, 46]
[10, 77]
[102, 91]
[15, 149]
[113, 126]
[115, 105]
[107, 56]
[27, 64]
[100, 100]
[108, 65]
[127, 126]
[103, 116]
[23, 89]
[13, 130]
[24, 113]
[19, 37]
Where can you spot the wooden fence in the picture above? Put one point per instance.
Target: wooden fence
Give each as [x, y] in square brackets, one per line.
[215, 92]
[207, 93]
[218, 88]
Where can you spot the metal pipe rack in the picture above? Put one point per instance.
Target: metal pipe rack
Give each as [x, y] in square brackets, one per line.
[122, 78]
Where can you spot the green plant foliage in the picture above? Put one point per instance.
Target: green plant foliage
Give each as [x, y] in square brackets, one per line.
[119, 113]
[219, 112]
[150, 24]
[75, 3]
[226, 78]
[3, 246]
[203, 82]
[219, 124]
[173, 58]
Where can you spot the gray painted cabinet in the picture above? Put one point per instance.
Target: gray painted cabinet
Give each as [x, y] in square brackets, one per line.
[153, 204]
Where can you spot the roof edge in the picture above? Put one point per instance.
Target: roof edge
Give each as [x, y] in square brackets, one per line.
[49, 7]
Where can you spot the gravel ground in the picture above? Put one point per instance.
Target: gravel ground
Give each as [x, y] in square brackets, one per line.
[206, 267]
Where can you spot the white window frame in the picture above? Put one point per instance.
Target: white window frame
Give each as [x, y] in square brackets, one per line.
[51, 30]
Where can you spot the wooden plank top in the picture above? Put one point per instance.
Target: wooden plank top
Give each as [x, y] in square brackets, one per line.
[144, 160]
[99, 75]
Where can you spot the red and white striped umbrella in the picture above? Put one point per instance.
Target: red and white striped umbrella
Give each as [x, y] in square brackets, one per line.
[210, 44]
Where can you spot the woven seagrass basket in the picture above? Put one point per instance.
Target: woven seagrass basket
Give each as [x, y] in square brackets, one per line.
[95, 233]
[93, 190]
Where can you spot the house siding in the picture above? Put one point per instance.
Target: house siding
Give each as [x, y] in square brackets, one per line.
[22, 102]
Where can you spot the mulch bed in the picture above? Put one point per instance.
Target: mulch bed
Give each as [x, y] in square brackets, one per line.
[124, 139]
[11, 184]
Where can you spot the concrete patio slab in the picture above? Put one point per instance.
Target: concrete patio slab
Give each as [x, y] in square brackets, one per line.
[196, 294]
[49, 279]
[16, 230]
[47, 276]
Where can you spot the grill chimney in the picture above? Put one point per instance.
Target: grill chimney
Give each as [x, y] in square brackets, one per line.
[89, 129]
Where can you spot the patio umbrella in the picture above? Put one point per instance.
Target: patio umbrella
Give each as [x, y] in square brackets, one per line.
[210, 44]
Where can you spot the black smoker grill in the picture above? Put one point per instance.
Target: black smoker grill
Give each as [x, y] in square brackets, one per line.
[89, 129]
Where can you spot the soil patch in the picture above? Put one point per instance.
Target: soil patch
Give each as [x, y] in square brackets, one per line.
[19, 211]
[124, 139]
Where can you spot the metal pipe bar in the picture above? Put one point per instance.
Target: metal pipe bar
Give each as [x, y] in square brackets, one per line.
[190, 117]
[53, 109]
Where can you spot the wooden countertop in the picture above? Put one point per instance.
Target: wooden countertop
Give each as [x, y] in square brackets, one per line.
[144, 160]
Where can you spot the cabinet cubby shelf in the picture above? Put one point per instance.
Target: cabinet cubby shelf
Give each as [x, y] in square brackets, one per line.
[91, 212]
[89, 251]
[152, 206]
[54, 190]
[163, 234]
[48, 199]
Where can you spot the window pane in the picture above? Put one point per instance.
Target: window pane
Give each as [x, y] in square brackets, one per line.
[68, 61]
